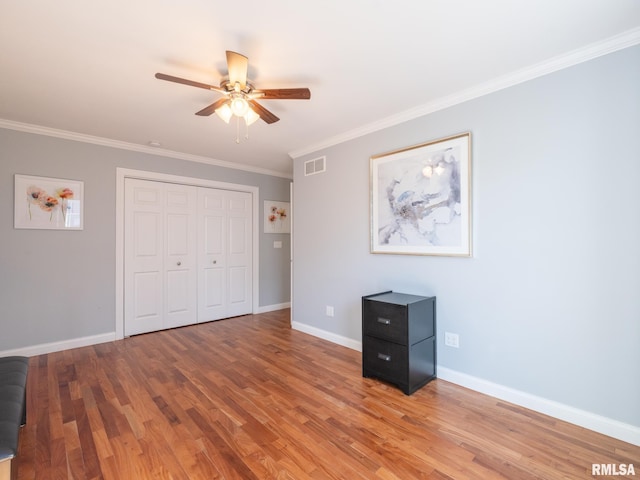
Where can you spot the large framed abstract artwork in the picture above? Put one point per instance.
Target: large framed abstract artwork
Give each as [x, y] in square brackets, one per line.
[48, 203]
[421, 199]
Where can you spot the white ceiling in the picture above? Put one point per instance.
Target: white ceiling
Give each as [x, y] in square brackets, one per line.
[88, 67]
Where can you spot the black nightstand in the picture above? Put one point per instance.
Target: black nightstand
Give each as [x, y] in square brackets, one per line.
[399, 339]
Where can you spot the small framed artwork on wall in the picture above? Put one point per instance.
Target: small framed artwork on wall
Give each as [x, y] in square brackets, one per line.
[277, 218]
[48, 203]
[421, 199]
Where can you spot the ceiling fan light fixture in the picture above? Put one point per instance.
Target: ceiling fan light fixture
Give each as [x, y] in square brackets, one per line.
[239, 106]
[224, 112]
[251, 117]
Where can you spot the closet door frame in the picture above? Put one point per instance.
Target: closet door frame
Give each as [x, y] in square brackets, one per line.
[122, 173]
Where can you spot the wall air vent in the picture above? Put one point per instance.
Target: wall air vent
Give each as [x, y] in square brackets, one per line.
[317, 165]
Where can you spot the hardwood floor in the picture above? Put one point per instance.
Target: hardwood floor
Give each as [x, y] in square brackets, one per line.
[249, 398]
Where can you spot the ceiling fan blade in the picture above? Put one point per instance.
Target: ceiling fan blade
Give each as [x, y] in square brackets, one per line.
[184, 81]
[265, 114]
[206, 111]
[238, 66]
[283, 94]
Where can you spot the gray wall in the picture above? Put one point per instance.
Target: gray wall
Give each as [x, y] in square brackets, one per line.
[549, 304]
[57, 286]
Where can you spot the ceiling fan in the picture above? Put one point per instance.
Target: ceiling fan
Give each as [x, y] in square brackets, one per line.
[239, 95]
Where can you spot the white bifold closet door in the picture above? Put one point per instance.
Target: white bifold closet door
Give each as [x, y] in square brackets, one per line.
[224, 252]
[187, 255]
[160, 256]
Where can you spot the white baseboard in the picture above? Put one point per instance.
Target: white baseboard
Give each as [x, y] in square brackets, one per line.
[607, 426]
[59, 346]
[273, 308]
[331, 337]
[597, 423]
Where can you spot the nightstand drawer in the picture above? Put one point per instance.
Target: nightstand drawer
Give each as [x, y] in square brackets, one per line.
[385, 320]
[386, 360]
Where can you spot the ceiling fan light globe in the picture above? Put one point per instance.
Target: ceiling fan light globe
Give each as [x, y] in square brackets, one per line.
[239, 106]
[224, 112]
[251, 117]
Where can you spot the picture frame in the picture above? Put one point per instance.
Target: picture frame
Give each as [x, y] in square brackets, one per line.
[277, 217]
[48, 203]
[420, 199]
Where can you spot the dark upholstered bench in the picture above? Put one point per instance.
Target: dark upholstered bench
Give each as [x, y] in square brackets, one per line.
[13, 409]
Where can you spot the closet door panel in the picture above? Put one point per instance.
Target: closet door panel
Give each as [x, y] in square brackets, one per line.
[144, 245]
[213, 232]
[147, 307]
[180, 288]
[237, 283]
[214, 288]
[178, 295]
[225, 256]
[212, 275]
[239, 254]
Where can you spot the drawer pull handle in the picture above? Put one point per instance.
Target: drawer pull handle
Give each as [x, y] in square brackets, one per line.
[384, 321]
[386, 358]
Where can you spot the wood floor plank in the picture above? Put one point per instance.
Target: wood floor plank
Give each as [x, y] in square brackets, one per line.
[249, 398]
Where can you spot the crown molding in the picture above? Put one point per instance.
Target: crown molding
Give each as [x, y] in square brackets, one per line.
[106, 142]
[594, 50]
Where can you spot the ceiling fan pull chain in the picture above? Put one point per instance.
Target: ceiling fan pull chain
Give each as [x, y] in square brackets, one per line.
[246, 136]
[237, 129]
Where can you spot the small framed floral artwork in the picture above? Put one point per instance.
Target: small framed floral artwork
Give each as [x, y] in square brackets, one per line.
[48, 203]
[277, 218]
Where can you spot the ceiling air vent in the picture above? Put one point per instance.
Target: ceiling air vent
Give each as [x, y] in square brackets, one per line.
[317, 165]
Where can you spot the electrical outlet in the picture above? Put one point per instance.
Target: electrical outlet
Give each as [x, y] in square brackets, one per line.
[451, 340]
[329, 311]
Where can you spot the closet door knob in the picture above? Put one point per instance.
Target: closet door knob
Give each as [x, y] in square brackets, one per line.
[179, 263]
[215, 261]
